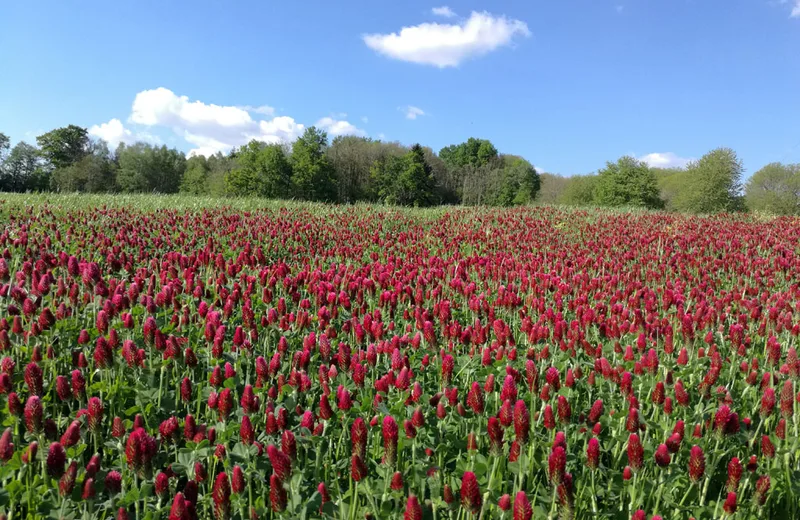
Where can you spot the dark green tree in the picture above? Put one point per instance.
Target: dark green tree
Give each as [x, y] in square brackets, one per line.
[22, 169]
[312, 174]
[94, 173]
[352, 159]
[262, 170]
[406, 180]
[627, 182]
[5, 145]
[472, 152]
[64, 146]
[415, 184]
[147, 168]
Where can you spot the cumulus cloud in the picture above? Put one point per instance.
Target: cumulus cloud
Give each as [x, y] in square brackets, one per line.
[208, 127]
[412, 112]
[443, 11]
[796, 9]
[114, 132]
[447, 45]
[211, 128]
[264, 110]
[337, 127]
[664, 160]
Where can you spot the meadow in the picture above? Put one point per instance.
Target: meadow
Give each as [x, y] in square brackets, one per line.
[175, 357]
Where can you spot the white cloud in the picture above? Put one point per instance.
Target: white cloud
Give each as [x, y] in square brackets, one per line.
[337, 127]
[664, 160]
[114, 132]
[443, 11]
[211, 128]
[264, 110]
[412, 112]
[796, 9]
[447, 45]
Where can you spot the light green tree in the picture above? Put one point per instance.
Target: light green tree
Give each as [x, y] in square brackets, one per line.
[515, 183]
[775, 188]
[195, 178]
[552, 186]
[627, 182]
[579, 191]
[714, 183]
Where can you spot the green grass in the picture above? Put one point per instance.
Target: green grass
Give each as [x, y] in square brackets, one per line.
[58, 202]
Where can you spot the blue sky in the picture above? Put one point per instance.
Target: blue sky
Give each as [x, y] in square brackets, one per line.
[567, 84]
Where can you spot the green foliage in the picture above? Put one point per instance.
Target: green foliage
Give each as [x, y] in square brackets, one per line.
[263, 170]
[414, 184]
[552, 186]
[714, 183]
[446, 185]
[673, 184]
[775, 188]
[313, 175]
[94, 173]
[5, 145]
[352, 159]
[195, 178]
[405, 180]
[22, 169]
[515, 183]
[627, 182]
[579, 191]
[147, 168]
[219, 166]
[64, 146]
[473, 152]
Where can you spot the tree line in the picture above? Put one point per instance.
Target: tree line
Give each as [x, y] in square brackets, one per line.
[712, 184]
[346, 170]
[350, 169]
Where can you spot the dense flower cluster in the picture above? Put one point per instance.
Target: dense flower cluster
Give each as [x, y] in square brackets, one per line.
[356, 362]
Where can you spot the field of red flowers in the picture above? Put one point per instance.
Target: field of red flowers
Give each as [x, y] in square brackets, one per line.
[334, 362]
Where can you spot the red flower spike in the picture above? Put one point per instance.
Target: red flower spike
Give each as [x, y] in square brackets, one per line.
[522, 507]
[471, 498]
[221, 495]
[413, 509]
[697, 463]
[635, 452]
